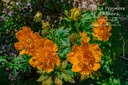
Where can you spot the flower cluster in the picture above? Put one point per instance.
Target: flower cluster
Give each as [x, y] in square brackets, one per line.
[85, 58]
[43, 51]
[101, 28]
[46, 57]
[28, 41]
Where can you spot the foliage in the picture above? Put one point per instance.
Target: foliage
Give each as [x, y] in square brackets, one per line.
[18, 63]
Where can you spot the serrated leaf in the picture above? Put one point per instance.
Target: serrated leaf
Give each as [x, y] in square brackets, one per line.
[47, 81]
[42, 78]
[40, 72]
[86, 27]
[86, 17]
[67, 19]
[66, 77]
[63, 52]
[58, 81]
[2, 59]
[65, 41]
[66, 13]
[82, 77]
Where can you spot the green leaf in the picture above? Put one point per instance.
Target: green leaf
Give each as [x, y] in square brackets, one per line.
[86, 17]
[42, 78]
[64, 41]
[109, 2]
[61, 36]
[58, 81]
[46, 80]
[2, 59]
[67, 19]
[66, 77]
[67, 13]
[86, 27]
[63, 52]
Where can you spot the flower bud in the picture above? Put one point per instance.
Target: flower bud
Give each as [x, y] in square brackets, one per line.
[6, 1]
[44, 32]
[73, 37]
[38, 16]
[45, 25]
[75, 14]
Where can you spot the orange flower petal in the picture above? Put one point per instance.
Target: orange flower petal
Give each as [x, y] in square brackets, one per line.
[49, 70]
[22, 52]
[18, 46]
[75, 47]
[84, 36]
[76, 67]
[33, 62]
[72, 57]
[95, 24]
[96, 66]
[58, 61]
[48, 44]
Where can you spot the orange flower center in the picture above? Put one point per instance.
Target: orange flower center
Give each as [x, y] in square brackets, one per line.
[29, 40]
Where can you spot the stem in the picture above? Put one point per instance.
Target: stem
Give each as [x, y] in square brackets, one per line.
[76, 24]
[79, 81]
[123, 46]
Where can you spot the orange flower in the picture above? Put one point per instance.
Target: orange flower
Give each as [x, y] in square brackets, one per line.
[28, 40]
[84, 36]
[102, 19]
[85, 58]
[102, 33]
[46, 57]
[101, 28]
[43, 51]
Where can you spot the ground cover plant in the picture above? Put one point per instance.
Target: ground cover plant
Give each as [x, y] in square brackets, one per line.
[63, 42]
